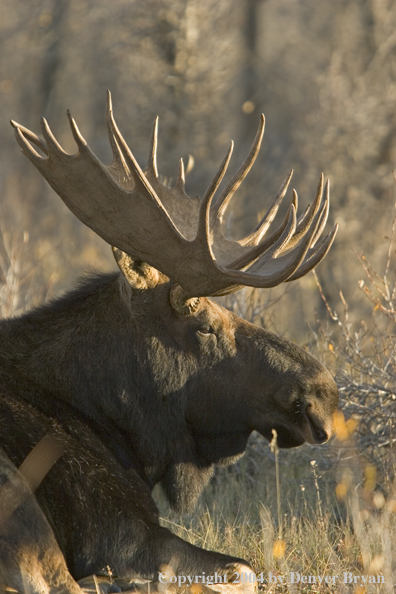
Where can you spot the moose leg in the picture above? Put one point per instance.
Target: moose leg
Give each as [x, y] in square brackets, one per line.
[31, 560]
[116, 519]
[101, 512]
[178, 561]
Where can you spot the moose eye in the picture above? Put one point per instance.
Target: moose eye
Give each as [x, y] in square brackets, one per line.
[206, 330]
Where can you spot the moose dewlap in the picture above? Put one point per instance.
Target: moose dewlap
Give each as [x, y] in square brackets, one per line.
[141, 377]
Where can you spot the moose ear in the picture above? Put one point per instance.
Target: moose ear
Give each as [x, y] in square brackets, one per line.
[181, 303]
[138, 274]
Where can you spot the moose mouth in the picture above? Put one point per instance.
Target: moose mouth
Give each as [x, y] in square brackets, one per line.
[311, 430]
[287, 436]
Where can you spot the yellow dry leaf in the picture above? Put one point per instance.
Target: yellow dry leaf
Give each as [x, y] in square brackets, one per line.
[370, 473]
[340, 426]
[279, 548]
[341, 491]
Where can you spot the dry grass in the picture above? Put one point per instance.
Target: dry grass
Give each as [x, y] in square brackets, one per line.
[322, 534]
[19, 289]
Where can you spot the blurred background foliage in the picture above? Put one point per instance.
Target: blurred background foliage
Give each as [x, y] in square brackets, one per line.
[324, 74]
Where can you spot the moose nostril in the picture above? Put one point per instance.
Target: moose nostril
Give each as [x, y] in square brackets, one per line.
[318, 432]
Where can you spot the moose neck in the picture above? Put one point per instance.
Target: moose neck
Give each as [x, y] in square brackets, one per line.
[52, 346]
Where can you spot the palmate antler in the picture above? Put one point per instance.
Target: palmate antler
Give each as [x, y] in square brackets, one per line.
[176, 234]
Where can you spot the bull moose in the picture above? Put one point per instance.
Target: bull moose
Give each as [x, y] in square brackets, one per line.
[141, 379]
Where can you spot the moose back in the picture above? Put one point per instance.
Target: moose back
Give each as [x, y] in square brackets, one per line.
[138, 377]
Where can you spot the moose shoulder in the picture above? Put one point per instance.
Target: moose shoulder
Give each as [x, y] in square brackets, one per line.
[142, 377]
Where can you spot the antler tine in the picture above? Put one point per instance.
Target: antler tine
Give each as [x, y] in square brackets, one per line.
[181, 177]
[269, 271]
[190, 164]
[317, 200]
[256, 251]
[79, 139]
[30, 136]
[216, 181]
[306, 222]
[302, 216]
[130, 160]
[308, 217]
[146, 189]
[279, 245]
[118, 159]
[256, 280]
[325, 213]
[289, 263]
[228, 192]
[315, 255]
[121, 152]
[27, 149]
[152, 161]
[53, 145]
[203, 232]
[295, 201]
[255, 237]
